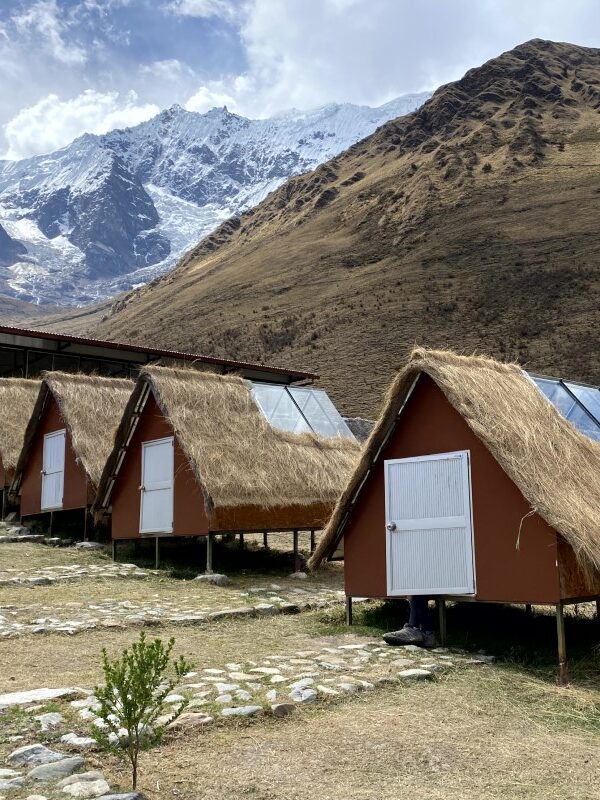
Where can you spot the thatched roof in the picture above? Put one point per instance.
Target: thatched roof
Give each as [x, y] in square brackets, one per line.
[17, 399]
[237, 457]
[556, 468]
[91, 408]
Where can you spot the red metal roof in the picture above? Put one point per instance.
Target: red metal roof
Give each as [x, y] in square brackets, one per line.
[177, 354]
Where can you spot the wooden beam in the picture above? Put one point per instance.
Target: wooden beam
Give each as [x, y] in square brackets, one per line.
[563, 675]
[156, 552]
[312, 542]
[114, 549]
[265, 540]
[348, 611]
[442, 629]
[296, 554]
[209, 554]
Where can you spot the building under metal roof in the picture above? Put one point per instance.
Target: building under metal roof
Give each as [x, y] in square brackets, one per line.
[25, 353]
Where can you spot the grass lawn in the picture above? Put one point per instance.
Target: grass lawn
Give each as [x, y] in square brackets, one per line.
[502, 731]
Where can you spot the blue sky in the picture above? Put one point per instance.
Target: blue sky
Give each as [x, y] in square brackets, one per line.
[71, 66]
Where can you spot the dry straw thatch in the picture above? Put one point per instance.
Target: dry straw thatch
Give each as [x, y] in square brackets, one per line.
[238, 459]
[91, 408]
[556, 468]
[17, 399]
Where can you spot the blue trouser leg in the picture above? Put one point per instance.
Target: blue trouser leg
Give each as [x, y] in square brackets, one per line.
[420, 616]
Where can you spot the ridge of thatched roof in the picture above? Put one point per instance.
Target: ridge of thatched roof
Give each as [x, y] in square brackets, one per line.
[237, 457]
[17, 399]
[90, 407]
[556, 468]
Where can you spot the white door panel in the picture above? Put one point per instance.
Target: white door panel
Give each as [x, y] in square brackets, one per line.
[53, 470]
[156, 498]
[429, 543]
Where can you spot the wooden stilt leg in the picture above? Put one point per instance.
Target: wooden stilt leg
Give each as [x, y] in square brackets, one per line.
[3, 502]
[597, 609]
[51, 523]
[563, 677]
[157, 552]
[85, 524]
[265, 540]
[296, 554]
[114, 549]
[241, 541]
[312, 541]
[348, 611]
[209, 554]
[441, 608]
[528, 611]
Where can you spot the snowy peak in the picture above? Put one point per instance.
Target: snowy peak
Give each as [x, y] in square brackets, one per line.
[111, 212]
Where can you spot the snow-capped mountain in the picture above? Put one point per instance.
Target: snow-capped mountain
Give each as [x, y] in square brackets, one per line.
[111, 212]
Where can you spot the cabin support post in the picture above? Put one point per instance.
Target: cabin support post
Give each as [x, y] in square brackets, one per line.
[241, 541]
[441, 609]
[114, 549]
[265, 540]
[51, 523]
[312, 542]
[209, 554]
[528, 611]
[348, 611]
[85, 524]
[296, 554]
[597, 609]
[3, 502]
[563, 676]
[156, 552]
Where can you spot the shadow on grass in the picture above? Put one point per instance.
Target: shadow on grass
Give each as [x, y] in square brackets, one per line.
[518, 641]
[185, 558]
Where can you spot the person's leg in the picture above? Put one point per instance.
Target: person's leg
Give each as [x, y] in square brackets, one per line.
[418, 610]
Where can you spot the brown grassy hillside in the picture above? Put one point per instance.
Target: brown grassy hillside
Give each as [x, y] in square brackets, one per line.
[472, 223]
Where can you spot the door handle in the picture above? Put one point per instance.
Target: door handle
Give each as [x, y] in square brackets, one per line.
[391, 526]
[142, 488]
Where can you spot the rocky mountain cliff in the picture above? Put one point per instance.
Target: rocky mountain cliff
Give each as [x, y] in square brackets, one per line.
[470, 223]
[111, 212]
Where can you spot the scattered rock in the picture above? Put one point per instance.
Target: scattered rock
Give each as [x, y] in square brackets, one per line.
[85, 785]
[303, 695]
[415, 674]
[9, 773]
[190, 719]
[11, 784]
[214, 578]
[282, 709]
[36, 696]
[79, 742]
[50, 720]
[57, 769]
[241, 711]
[299, 576]
[89, 546]
[33, 754]
[266, 609]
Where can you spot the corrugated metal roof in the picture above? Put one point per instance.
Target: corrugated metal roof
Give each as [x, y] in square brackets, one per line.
[176, 354]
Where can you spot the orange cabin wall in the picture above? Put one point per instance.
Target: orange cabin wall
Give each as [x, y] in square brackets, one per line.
[190, 517]
[76, 483]
[429, 425]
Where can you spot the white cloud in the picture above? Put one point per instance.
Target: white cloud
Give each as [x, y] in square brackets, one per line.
[170, 69]
[303, 53]
[52, 123]
[202, 8]
[44, 18]
[211, 96]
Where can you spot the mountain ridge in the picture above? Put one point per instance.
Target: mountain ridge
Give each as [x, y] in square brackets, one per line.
[469, 223]
[112, 211]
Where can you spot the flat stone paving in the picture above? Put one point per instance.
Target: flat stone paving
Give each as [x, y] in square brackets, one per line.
[276, 686]
[75, 617]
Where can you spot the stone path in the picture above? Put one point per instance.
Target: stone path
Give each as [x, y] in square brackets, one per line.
[75, 617]
[67, 573]
[277, 686]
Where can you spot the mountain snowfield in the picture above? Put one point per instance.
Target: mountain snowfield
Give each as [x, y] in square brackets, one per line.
[112, 212]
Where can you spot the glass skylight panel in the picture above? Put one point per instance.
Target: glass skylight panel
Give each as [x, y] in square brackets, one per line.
[278, 408]
[321, 414]
[573, 406]
[588, 396]
[557, 394]
[300, 410]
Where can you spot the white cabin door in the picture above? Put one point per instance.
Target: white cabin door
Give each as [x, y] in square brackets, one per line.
[53, 470]
[429, 532]
[156, 491]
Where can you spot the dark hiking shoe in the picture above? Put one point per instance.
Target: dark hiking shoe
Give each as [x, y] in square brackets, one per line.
[429, 640]
[407, 635]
